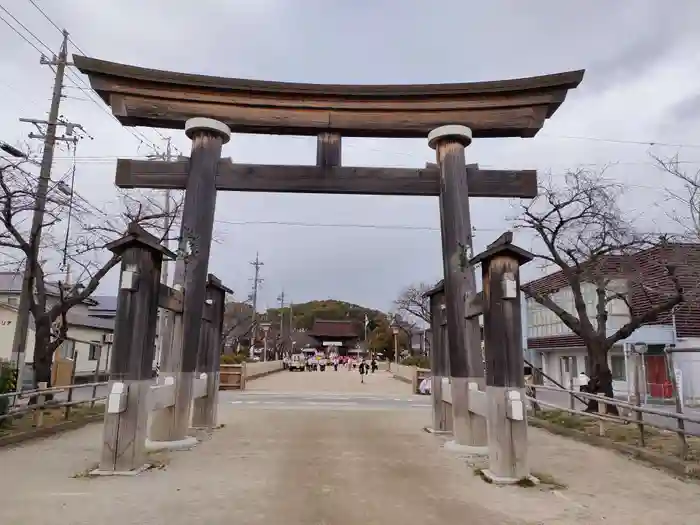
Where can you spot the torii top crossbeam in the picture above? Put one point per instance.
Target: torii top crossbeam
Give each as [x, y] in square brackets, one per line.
[504, 108]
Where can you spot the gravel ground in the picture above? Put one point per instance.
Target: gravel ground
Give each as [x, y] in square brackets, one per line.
[330, 467]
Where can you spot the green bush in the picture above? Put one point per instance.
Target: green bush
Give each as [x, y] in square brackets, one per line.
[8, 383]
[234, 359]
[419, 361]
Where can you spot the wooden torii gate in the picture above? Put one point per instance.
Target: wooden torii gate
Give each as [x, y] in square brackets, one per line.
[450, 116]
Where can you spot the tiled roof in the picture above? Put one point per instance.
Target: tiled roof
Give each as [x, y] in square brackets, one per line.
[649, 285]
[610, 266]
[326, 328]
[105, 303]
[11, 283]
[91, 322]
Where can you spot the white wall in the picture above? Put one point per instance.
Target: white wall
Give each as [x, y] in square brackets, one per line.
[8, 323]
[542, 322]
[83, 336]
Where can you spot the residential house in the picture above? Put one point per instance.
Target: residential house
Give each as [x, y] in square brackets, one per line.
[89, 338]
[642, 280]
[104, 307]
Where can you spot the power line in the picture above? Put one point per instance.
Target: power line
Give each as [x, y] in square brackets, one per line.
[622, 141]
[22, 36]
[54, 24]
[366, 226]
[328, 225]
[544, 135]
[27, 30]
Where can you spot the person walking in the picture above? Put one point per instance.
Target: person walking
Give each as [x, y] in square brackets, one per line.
[363, 369]
[374, 365]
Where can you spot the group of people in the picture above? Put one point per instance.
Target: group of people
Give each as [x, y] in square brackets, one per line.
[366, 367]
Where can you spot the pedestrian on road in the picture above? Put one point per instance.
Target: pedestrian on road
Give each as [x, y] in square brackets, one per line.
[362, 371]
[374, 365]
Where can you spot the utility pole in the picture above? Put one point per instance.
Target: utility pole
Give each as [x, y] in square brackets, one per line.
[283, 331]
[49, 137]
[163, 330]
[257, 281]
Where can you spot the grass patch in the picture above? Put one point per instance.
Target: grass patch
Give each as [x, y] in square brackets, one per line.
[664, 444]
[526, 483]
[480, 472]
[549, 481]
[156, 461]
[26, 421]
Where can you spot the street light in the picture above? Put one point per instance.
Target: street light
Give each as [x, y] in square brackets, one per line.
[265, 328]
[395, 331]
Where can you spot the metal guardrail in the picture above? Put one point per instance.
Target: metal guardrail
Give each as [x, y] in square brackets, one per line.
[602, 415]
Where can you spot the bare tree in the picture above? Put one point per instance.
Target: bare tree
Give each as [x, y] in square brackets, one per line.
[238, 322]
[73, 233]
[601, 259]
[688, 196]
[412, 302]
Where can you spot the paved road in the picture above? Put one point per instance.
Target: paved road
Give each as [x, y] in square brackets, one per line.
[321, 448]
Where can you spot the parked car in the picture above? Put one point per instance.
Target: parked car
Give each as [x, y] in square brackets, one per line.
[296, 362]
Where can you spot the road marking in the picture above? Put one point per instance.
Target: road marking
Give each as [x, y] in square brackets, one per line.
[235, 402]
[424, 405]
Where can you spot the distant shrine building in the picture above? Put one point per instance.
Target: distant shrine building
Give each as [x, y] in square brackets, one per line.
[334, 336]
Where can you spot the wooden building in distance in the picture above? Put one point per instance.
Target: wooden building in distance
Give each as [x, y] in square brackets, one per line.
[338, 336]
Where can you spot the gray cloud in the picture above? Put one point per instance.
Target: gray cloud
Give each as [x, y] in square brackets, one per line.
[639, 61]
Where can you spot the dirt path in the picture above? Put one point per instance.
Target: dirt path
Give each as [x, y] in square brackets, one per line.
[332, 467]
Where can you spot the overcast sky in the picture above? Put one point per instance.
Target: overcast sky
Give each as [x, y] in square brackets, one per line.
[642, 85]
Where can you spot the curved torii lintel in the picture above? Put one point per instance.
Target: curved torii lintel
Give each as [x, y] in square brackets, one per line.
[504, 108]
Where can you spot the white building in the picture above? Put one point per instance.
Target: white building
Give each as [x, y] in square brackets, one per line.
[551, 344]
[89, 337]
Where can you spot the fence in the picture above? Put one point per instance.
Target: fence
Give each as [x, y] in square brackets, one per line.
[409, 374]
[40, 394]
[234, 377]
[635, 413]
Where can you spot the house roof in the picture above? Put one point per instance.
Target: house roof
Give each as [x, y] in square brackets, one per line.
[650, 286]
[610, 266]
[106, 304]
[328, 328]
[89, 321]
[11, 283]
[74, 319]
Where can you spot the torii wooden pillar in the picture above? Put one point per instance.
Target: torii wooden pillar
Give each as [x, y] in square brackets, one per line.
[464, 336]
[191, 270]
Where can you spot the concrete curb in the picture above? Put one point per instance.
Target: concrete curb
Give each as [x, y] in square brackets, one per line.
[44, 432]
[671, 465]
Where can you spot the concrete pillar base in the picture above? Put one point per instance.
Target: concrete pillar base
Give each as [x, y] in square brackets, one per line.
[500, 480]
[135, 472]
[182, 444]
[466, 449]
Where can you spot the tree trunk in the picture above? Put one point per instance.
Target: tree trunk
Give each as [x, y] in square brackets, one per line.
[43, 358]
[600, 376]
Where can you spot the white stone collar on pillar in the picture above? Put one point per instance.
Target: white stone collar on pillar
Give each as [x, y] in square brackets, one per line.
[208, 124]
[453, 131]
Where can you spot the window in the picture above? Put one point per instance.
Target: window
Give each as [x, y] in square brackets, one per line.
[94, 352]
[617, 367]
[67, 349]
